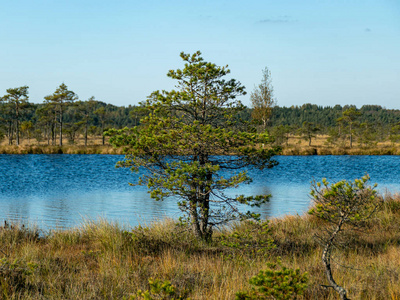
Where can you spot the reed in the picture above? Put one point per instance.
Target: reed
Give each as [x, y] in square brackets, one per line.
[68, 149]
[102, 260]
[295, 146]
[333, 150]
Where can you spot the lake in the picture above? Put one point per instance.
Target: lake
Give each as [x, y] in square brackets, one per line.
[61, 191]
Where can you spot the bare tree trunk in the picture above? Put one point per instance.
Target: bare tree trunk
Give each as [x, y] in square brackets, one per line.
[86, 133]
[102, 131]
[205, 227]
[195, 220]
[48, 131]
[351, 137]
[17, 126]
[61, 125]
[265, 120]
[10, 133]
[53, 130]
[326, 259]
[17, 134]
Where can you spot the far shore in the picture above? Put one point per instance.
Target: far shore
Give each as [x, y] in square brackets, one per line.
[295, 145]
[108, 149]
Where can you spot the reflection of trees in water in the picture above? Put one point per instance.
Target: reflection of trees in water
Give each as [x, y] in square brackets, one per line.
[16, 210]
[132, 207]
[285, 199]
[58, 211]
[30, 192]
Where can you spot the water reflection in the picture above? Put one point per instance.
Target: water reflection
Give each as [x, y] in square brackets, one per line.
[62, 190]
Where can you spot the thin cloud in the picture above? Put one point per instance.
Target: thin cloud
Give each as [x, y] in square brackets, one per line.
[280, 19]
[206, 17]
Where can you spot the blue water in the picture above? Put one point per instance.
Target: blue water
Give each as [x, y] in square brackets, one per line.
[64, 190]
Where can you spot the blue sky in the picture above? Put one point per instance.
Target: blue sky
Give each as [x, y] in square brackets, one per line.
[320, 52]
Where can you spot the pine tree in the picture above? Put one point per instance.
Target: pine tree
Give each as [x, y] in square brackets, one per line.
[188, 138]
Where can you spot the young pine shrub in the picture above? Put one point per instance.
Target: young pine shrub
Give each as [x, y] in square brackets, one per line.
[344, 205]
[159, 290]
[249, 239]
[276, 282]
[14, 277]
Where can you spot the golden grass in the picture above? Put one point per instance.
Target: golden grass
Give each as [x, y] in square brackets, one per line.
[319, 146]
[295, 146]
[33, 147]
[69, 149]
[101, 260]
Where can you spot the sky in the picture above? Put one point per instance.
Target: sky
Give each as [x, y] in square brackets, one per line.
[321, 52]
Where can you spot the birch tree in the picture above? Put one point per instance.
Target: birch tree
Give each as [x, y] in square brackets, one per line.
[262, 99]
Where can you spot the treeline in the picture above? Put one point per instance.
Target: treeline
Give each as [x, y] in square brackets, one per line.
[62, 117]
[326, 116]
[342, 125]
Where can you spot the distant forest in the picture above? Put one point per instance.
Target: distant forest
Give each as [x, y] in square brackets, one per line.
[327, 116]
[62, 112]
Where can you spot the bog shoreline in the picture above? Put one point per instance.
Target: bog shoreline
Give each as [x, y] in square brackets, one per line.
[108, 149]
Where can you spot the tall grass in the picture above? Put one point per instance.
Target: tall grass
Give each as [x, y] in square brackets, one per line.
[68, 149]
[102, 260]
[335, 150]
[295, 146]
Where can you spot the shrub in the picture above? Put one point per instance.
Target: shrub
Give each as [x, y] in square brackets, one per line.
[344, 205]
[276, 282]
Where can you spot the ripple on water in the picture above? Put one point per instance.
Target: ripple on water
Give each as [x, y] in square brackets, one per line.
[62, 190]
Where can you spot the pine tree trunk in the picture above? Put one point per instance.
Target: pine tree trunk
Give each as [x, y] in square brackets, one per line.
[48, 136]
[326, 259]
[17, 126]
[53, 130]
[61, 126]
[351, 137]
[86, 132]
[10, 133]
[102, 133]
[195, 220]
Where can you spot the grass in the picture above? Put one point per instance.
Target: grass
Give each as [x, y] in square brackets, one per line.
[33, 147]
[295, 146]
[68, 149]
[298, 146]
[102, 260]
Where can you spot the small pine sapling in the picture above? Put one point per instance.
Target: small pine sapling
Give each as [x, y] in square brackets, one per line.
[345, 205]
[160, 290]
[276, 282]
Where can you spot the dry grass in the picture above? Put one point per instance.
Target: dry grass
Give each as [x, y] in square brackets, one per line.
[319, 146]
[100, 260]
[33, 147]
[69, 149]
[296, 146]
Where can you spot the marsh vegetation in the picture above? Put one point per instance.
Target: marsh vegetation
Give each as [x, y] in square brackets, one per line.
[100, 260]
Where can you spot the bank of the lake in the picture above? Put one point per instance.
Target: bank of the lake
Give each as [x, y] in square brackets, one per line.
[326, 150]
[66, 149]
[385, 149]
[100, 260]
